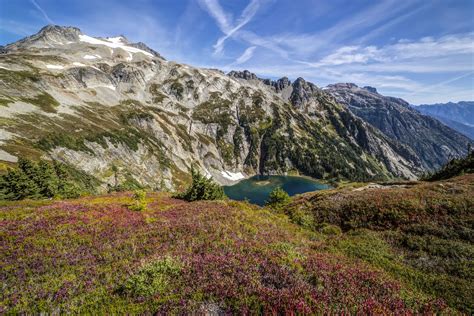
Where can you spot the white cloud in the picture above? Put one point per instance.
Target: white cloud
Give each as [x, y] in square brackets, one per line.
[448, 53]
[248, 53]
[444, 83]
[224, 20]
[350, 54]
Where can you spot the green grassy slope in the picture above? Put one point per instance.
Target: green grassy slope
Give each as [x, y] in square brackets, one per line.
[420, 234]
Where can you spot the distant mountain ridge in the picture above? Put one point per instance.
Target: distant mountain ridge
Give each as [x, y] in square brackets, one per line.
[458, 116]
[105, 104]
[433, 142]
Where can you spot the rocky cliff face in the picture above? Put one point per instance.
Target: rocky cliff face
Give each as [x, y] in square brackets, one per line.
[101, 104]
[433, 142]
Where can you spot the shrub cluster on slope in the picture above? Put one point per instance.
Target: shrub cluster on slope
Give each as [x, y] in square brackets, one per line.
[421, 234]
[39, 180]
[94, 255]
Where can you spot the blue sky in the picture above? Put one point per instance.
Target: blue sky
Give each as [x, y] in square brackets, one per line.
[420, 50]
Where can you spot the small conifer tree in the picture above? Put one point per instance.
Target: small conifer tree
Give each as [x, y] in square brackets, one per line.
[201, 188]
[278, 199]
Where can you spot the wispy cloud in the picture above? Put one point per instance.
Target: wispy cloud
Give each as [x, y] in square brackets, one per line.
[225, 21]
[247, 54]
[449, 52]
[43, 12]
[304, 45]
[382, 29]
[443, 83]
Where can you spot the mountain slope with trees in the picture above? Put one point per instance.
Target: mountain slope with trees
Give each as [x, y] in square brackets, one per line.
[120, 112]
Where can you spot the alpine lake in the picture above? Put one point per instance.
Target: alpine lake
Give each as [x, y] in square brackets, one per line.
[257, 188]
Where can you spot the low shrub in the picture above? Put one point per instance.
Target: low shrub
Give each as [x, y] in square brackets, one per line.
[328, 229]
[139, 201]
[152, 279]
[301, 217]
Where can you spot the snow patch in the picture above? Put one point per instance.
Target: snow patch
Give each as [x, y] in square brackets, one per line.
[7, 157]
[108, 86]
[54, 67]
[91, 56]
[112, 44]
[78, 64]
[232, 176]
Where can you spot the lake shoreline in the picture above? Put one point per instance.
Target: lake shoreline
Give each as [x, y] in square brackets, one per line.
[257, 188]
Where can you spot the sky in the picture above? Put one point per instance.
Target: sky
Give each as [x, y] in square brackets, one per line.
[419, 50]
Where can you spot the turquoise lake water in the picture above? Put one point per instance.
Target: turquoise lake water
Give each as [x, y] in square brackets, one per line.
[257, 188]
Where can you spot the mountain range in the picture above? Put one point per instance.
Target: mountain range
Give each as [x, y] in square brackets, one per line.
[459, 116]
[119, 110]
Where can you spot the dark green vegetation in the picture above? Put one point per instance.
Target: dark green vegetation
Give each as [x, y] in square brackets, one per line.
[278, 199]
[453, 168]
[44, 101]
[201, 188]
[421, 234]
[43, 180]
[258, 188]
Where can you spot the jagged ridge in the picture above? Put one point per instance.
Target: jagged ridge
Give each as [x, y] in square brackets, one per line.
[97, 104]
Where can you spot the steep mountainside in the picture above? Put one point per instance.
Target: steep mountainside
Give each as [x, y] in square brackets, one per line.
[104, 104]
[433, 142]
[459, 116]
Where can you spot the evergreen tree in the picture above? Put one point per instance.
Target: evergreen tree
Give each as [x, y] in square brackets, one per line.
[25, 180]
[278, 199]
[201, 188]
[47, 180]
[40, 180]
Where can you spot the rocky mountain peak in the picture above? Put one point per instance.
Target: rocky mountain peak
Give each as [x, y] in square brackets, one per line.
[282, 83]
[433, 142]
[370, 89]
[247, 75]
[143, 46]
[302, 92]
[279, 84]
[343, 86]
[57, 29]
[49, 35]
